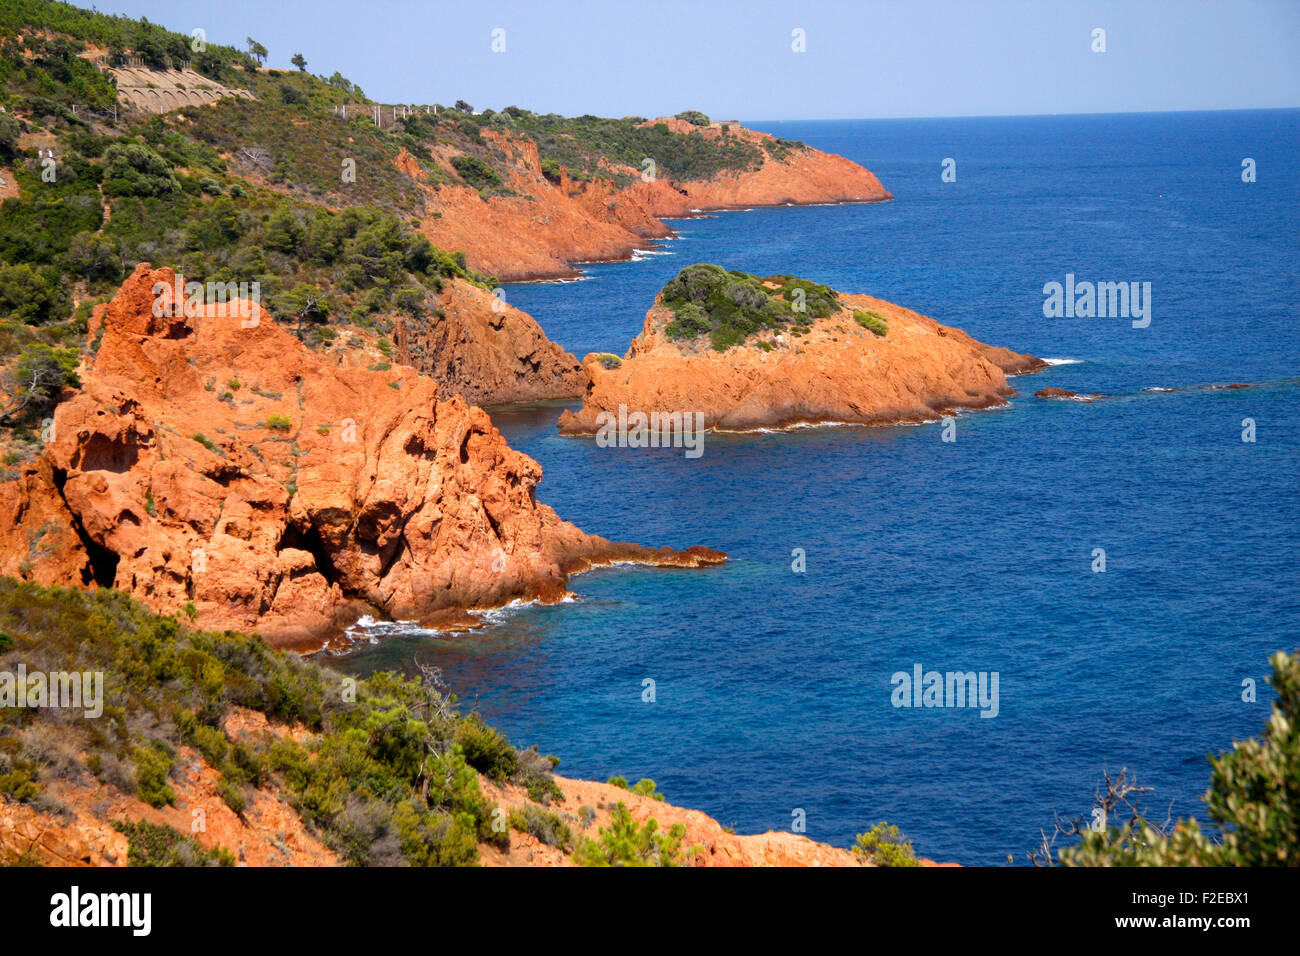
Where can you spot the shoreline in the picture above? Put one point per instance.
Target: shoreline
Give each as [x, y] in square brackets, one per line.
[574, 274]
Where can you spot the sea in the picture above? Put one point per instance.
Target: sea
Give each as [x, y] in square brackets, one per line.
[1122, 568]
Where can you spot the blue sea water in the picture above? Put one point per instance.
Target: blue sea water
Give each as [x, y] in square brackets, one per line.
[773, 688]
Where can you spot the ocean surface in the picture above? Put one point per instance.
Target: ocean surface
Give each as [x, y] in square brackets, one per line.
[772, 688]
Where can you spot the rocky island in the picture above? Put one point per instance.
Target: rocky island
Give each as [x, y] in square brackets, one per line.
[750, 353]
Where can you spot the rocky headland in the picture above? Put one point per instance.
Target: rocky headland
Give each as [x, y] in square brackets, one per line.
[750, 353]
[547, 224]
[213, 464]
[478, 346]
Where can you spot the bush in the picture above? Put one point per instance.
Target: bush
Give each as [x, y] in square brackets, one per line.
[153, 766]
[486, 750]
[278, 423]
[28, 295]
[36, 382]
[871, 321]
[884, 845]
[476, 173]
[542, 824]
[731, 306]
[694, 117]
[154, 844]
[133, 169]
[625, 843]
[1252, 800]
[645, 787]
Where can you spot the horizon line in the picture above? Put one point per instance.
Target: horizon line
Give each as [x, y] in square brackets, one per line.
[841, 119]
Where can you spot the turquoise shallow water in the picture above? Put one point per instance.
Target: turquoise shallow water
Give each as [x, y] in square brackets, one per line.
[773, 688]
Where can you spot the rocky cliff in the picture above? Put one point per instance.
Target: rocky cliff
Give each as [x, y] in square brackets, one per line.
[479, 347]
[837, 370]
[226, 467]
[545, 227]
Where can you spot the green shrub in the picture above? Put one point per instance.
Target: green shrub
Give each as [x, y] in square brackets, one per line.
[645, 787]
[154, 844]
[477, 173]
[279, 423]
[1252, 800]
[625, 843]
[20, 782]
[133, 169]
[871, 321]
[884, 845]
[731, 306]
[153, 766]
[486, 750]
[544, 825]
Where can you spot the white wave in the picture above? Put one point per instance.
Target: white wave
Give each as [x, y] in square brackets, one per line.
[1063, 361]
[498, 615]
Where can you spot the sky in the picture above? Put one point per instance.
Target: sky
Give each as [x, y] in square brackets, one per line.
[737, 60]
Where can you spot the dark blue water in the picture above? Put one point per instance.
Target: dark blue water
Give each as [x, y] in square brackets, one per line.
[773, 688]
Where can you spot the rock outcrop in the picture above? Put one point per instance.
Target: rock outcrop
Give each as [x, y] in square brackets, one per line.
[1065, 395]
[540, 232]
[230, 468]
[479, 347]
[838, 371]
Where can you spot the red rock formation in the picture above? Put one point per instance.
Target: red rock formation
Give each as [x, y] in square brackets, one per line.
[490, 353]
[1063, 394]
[545, 228]
[232, 467]
[838, 372]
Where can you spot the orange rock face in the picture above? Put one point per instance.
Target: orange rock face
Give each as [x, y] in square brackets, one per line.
[517, 238]
[838, 372]
[487, 351]
[231, 467]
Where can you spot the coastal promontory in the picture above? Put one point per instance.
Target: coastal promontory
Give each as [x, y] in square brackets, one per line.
[749, 353]
[209, 463]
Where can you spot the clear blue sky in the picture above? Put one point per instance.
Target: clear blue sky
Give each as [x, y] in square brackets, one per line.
[734, 60]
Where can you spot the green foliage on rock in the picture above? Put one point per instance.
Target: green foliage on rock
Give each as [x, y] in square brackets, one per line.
[694, 117]
[35, 381]
[730, 306]
[477, 173]
[626, 843]
[884, 845]
[1253, 803]
[579, 144]
[157, 844]
[544, 825]
[379, 775]
[873, 322]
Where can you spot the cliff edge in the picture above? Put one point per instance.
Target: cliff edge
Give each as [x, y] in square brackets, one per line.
[749, 353]
[212, 463]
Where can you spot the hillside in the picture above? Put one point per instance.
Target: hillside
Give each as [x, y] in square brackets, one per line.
[220, 466]
[352, 228]
[281, 763]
